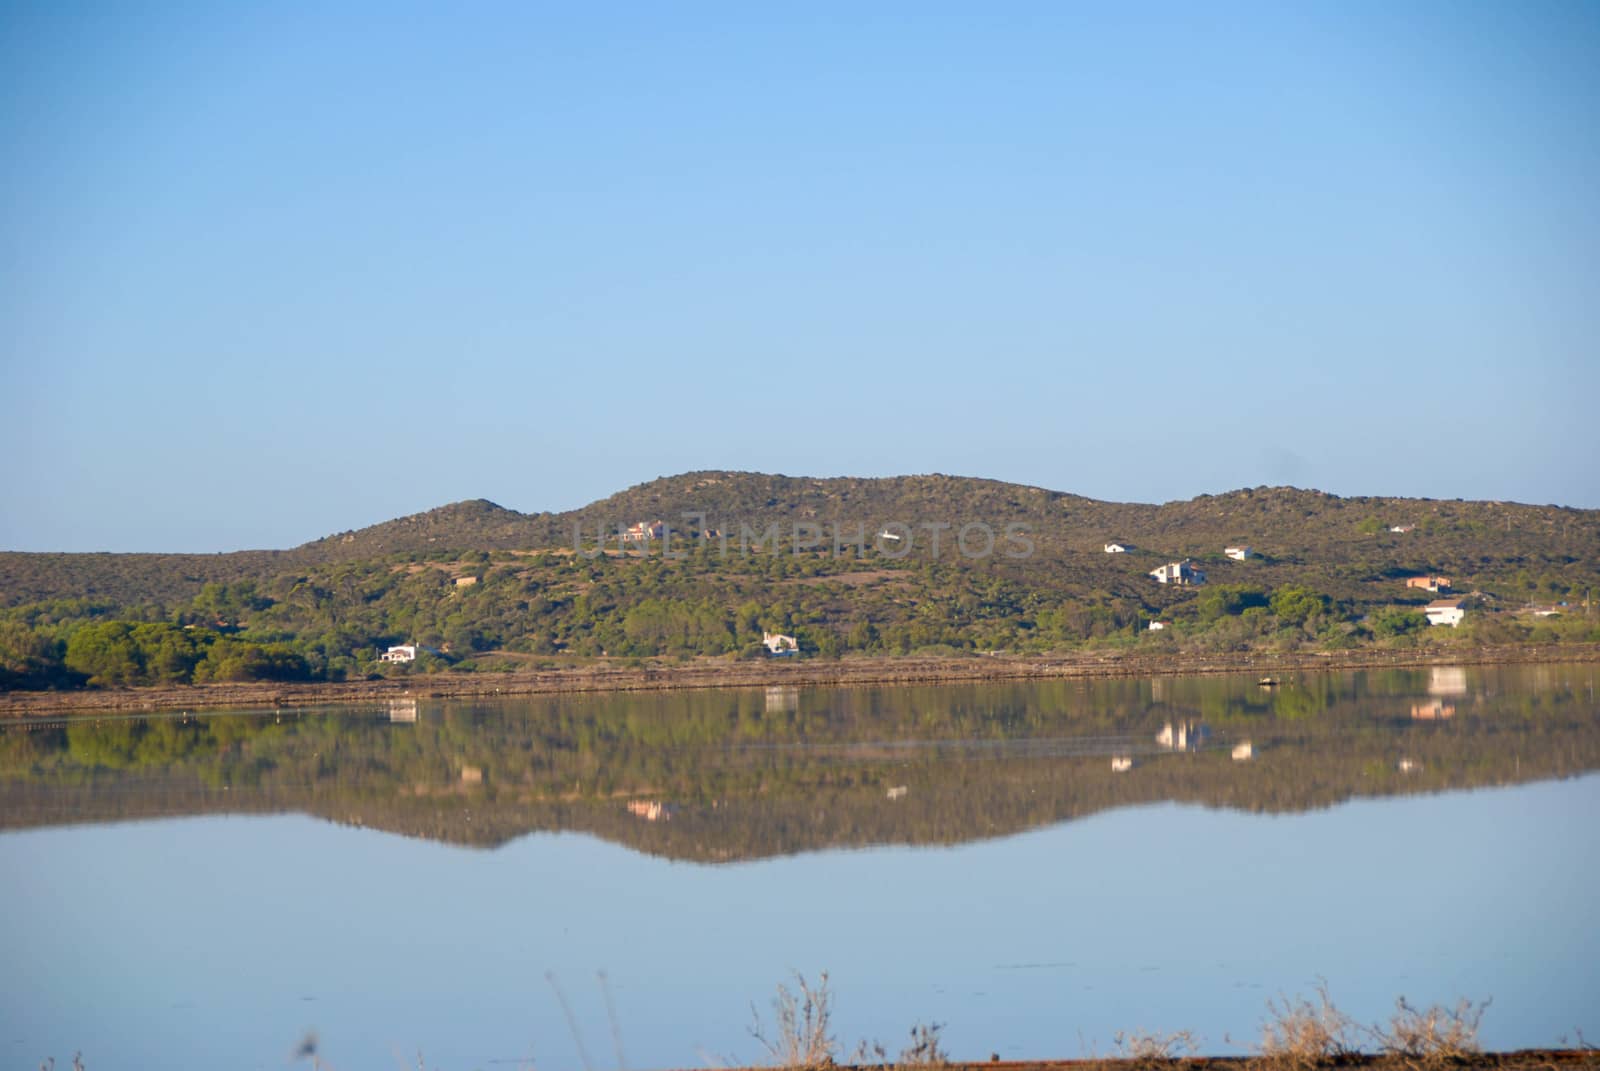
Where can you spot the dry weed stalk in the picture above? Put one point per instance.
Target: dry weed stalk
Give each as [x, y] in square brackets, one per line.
[799, 1037]
[924, 1050]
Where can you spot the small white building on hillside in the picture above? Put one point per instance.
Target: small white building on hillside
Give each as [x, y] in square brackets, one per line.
[1157, 626]
[645, 531]
[403, 653]
[1238, 554]
[1182, 572]
[1118, 548]
[1445, 612]
[779, 644]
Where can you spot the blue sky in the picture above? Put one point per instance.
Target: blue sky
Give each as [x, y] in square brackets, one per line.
[273, 271]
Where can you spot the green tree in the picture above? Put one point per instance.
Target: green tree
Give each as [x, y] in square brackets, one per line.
[1295, 605]
[28, 659]
[1397, 621]
[105, 653]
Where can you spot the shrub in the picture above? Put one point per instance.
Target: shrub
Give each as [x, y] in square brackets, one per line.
[799, 1035]
[1432, 1037]
[1301, 1034]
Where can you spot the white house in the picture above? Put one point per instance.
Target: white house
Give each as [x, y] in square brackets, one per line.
[1238, 554]
[1157, 626]
[1182, 572]
[1402, 528]
[404, 653]
[779, 644]
[1118, 548]
[645, 531]
[1244, 752]
[1121, 763]
[1445, 612]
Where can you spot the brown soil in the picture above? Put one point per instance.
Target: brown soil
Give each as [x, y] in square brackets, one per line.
[720, 673]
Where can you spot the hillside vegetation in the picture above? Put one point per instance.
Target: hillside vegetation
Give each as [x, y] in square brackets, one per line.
[489, 588]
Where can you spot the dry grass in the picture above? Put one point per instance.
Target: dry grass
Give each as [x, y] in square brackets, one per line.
[923, 1052]
[1301, 1033]
[1151, 1049]
[1434, 1037]
[1298, 1034]
[799, 1035]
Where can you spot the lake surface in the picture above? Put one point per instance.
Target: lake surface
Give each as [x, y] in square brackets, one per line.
[613, 881]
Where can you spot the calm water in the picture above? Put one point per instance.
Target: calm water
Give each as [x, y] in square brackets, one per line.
[199, 892]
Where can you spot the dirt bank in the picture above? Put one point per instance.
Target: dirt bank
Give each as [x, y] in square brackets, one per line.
[718, 673]
[1524, 1060]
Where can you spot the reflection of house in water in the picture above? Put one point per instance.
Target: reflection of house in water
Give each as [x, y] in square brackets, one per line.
[1447, 680]
[1432, 710]
[403, 710]
[1121, 763]
[784, 699]
[1408, 766]
[1243, 752]
[1182, 736]
[472, 775]
[898, 792]
[651, 810]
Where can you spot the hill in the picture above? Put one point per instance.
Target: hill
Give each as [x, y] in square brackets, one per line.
[477, 524]
[932, 563]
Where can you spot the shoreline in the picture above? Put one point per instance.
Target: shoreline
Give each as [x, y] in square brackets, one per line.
[1507, 1060]
[716, 673]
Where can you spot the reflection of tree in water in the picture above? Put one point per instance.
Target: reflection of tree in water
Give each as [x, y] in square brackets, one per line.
[742, 775]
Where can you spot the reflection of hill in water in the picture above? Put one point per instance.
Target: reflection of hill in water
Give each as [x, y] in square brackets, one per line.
[740, 775]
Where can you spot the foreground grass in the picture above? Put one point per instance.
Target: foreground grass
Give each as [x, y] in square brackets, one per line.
[1297, 1034]
[1300, 1033]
